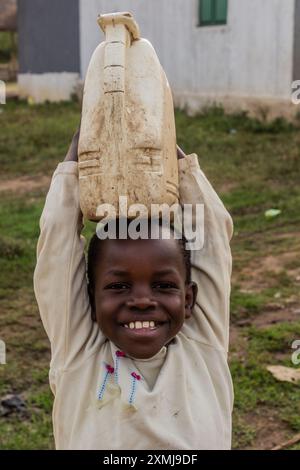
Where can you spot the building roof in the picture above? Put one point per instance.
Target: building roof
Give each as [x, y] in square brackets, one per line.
[8, 15]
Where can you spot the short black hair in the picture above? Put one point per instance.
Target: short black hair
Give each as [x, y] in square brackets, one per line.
[95, 246]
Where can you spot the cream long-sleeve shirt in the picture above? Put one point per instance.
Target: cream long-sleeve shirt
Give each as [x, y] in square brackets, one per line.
[184, 397]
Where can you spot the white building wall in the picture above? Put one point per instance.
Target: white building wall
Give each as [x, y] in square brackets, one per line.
[261, 46]
[41, 87]
[248, 60]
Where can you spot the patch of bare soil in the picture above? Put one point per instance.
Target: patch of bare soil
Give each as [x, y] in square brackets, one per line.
[267, 273]
[260, 275]
[24, 184]
[270, 430]
[271, 317]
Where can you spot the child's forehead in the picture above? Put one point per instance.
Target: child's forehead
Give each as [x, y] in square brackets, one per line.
[159, 253]
[140, 246]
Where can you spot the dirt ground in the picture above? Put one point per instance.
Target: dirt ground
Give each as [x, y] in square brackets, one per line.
[25, 184]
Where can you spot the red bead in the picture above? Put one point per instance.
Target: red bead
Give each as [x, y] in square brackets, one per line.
[110, 369]
[136, 376]
[120, 354]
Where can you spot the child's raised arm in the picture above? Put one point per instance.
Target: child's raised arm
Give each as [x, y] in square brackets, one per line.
[60, 275]
[211, 265]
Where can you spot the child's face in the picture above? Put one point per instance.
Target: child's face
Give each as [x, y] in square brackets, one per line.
[130, 287]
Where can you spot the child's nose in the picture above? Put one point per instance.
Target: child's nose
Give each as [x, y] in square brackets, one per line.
[141, 303]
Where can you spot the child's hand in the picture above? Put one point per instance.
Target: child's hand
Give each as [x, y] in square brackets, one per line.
[180, 153]
[72, 154]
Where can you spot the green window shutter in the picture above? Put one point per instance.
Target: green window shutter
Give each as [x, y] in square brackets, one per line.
[212, 12]
[220, 11]
[206, 11]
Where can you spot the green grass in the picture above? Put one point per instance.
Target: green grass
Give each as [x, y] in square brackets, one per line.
[35, 138]
[254, 165]
[254, 385]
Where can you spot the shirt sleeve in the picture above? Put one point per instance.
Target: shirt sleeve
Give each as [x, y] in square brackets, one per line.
[60, 282]
[212, 262]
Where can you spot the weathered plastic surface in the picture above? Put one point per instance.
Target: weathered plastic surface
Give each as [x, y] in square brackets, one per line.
[127, 144]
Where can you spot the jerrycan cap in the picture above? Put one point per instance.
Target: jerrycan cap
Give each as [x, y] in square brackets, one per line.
[124, 18]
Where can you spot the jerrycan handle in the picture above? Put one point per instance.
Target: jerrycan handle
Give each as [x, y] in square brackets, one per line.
[120, 30]
[124, 18]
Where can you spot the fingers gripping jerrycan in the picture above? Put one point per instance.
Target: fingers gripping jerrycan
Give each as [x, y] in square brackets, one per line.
[127, 144]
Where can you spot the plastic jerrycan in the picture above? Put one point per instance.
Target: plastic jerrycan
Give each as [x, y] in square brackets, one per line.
[127, 143]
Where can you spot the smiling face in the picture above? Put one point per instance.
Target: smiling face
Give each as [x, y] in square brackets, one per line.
[140, 297]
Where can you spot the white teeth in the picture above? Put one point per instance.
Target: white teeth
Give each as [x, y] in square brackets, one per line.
[138, 325]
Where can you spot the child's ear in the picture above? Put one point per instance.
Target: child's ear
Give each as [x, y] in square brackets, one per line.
[191, 291]
[92, 302]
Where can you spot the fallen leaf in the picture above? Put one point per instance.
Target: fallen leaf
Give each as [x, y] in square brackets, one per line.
[271, 213]
[285, 374]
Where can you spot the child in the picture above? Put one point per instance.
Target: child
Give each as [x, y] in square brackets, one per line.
[138, 356]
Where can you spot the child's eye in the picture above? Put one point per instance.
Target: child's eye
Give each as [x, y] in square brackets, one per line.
[117, 286]
[165, 285]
